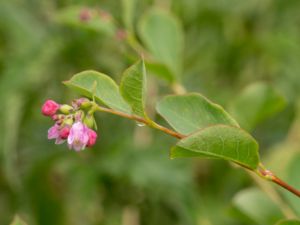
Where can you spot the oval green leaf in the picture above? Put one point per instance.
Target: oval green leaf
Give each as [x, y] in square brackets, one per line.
[262, 99]
[105, 90]
[133, 88]
[256, 205]
[191, 112]
[221, 142]
[162, 34]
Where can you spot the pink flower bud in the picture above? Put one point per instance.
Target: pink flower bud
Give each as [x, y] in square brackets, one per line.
[49, 108]
[92, 138]
[121, 35]
[79, 136]
[85, 15]
[64, 132]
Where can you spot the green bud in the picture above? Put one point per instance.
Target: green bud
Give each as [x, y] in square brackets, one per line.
[66, 109]
[85, 104]
[68, 121]
[89, 120]
[82, 103]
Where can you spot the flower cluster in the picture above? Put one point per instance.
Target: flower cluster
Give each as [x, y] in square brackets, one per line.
[72, 123]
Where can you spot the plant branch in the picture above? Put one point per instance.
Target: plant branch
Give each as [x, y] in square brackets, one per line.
[273, 194]
[268, 175]
[262, 172]
[141, 120]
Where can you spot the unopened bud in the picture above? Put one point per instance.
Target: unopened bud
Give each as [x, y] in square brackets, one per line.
[84, 103]
[92, 138]
[121, 35]
[66, 109]
[85, 15]
[89, 120]
[64, 132]
[68, 121]
[49, 108]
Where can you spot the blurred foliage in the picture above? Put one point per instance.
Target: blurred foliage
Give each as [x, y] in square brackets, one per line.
[128, 178]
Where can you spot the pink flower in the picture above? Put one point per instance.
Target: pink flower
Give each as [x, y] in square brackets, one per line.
[54, 133]
[49, 108]
[79, 136]
[92, 138]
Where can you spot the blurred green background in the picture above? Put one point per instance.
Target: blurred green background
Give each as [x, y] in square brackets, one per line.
[234, 52]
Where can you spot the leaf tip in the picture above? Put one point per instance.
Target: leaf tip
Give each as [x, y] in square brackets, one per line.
[66, 82]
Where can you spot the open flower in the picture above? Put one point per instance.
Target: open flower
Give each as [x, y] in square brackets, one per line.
[54, 133]
[49, 108]
[79, 136]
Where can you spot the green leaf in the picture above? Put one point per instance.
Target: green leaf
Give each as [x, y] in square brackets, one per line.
[105, 89]
[87, 18]
[133, 86]
[257, 206]
[160, 70]
[256, 103]
[221, 142]
[162, 34]
[191, 112]
[288, 222]
[18, 221]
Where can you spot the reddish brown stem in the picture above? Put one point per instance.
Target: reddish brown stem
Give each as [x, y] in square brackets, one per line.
[266, 174]
[286, 186]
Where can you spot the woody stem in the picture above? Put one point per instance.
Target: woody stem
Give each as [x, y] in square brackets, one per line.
[266, 174]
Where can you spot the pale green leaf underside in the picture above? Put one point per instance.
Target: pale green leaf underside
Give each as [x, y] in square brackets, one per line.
[133, 87]
[18, 221]
[255, 104]
[162, 34]
[258, 206]
[191, 112]
[221, 142]
[105, 89]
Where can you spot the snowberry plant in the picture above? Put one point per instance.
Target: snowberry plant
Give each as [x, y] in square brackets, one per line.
[204, 129]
